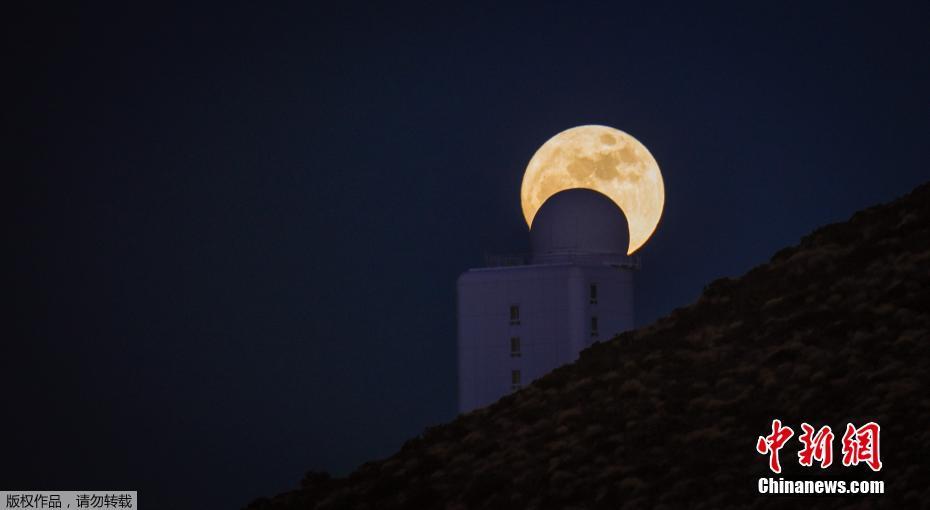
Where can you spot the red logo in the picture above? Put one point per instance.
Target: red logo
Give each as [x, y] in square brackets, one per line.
[859, 445]
[772, 443]
[817, 446]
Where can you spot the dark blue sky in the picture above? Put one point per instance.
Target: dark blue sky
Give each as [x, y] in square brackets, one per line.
[236, 231]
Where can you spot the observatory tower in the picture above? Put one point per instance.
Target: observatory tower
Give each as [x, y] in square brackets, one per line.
[518, 322]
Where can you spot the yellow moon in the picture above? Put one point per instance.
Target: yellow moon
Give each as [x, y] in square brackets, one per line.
[602, 159]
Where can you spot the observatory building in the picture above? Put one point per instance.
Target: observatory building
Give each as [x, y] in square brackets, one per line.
[517, 323]
[522, 317]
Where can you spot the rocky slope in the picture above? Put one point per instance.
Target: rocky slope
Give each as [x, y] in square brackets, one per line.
[831, 331]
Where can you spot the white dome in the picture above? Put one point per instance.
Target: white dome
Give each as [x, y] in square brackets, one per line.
[578, 222]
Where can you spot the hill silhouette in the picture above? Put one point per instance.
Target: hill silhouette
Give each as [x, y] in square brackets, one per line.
[831, 331]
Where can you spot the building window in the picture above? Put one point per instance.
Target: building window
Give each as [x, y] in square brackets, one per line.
[514, 314]
[593, 326]
[515, 347]
[593, 297]
[515, 380]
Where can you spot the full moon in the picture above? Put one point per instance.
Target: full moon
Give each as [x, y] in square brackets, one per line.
[605, 160]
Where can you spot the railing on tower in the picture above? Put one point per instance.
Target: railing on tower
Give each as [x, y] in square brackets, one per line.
[525, 259]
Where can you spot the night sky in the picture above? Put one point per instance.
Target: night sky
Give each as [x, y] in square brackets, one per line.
[236, 231]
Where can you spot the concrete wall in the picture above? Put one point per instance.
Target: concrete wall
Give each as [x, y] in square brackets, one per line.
[554, 324]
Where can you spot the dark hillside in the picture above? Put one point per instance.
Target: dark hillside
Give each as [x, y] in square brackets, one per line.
[831, 331]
